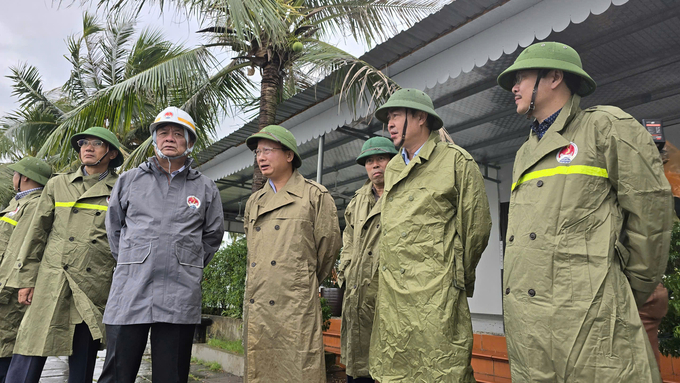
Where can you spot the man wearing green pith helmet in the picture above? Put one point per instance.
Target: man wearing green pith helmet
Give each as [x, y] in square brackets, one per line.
[588, 230]
[359, 260]
[435, 224]
[30, 177]
[293, 239]
[65, 266]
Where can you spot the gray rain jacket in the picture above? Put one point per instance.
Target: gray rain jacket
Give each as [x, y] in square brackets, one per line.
[162, 232]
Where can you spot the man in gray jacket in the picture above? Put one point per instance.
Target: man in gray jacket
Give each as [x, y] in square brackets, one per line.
[164, 224]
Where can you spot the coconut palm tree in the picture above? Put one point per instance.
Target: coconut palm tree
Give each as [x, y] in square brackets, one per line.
[285, 40]
[119, 79]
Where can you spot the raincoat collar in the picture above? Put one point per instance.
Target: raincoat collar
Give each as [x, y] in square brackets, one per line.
[400, 167]
[269, 200]
[535, 149]
[110, 179]
[151, 166]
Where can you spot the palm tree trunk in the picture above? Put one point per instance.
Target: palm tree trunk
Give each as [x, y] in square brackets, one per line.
[270, 91]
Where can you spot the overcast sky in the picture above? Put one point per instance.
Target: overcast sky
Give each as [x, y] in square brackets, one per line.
[34, 31]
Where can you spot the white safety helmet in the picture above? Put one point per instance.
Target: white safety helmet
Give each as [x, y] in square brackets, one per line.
[174, 115]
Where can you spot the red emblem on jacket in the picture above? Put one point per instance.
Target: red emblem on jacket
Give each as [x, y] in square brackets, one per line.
[193, 202]
[567, 154]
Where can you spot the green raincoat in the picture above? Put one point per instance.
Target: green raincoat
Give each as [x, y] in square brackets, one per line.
[588, 237]
[435, 226]
[66, 257]
[14, 222]
[357, 271]
[293, 240]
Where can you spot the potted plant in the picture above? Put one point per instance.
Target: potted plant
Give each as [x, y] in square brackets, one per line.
[331, 291]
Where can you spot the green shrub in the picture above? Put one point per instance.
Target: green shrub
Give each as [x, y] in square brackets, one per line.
[669, 330]
[325, 314]
[224, 281]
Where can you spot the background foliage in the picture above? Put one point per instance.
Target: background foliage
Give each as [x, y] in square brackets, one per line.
[224, 281]
[669, 330]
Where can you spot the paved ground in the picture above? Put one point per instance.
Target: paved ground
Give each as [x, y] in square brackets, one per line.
[56, 371]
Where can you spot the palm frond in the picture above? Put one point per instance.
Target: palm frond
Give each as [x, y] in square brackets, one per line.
[27, 88]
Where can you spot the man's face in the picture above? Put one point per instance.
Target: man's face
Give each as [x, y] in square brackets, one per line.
[375, 167]
[523, 89]
[93, 149]
[395, 125]
[272, 159]
[170, 140]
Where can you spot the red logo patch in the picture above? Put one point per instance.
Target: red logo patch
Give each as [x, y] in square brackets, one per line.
[193, 202]
[567, 154]
[168, 115]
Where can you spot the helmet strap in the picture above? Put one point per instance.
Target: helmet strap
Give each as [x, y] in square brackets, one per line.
[532, 104]
[19, 185]
[403, 132]
[100, 160]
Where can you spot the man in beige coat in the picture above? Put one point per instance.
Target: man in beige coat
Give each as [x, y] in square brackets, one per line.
[293, 239]
[358, 269]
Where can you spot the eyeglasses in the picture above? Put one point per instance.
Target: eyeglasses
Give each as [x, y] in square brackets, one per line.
[96, 143]
[265, 151]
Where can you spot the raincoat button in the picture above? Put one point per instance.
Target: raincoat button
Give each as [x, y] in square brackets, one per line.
[384, 268]
[19, 264]
[403, 234]
[88, 269]
[539, 183]
[253, 264]
[390, 199]
[75, 211]
[94, 241]
[271, 303]
[273, 263]
[378, 226]
[98, 213]
[402, 271]
[512, 238]
[65, 267]
[71, 239]
[410, 198]
[257, 228]
[532, 292]
[507, 291]
[252, 301]
[276, 227]
[370, 253]
[355, 286]
[532, 236]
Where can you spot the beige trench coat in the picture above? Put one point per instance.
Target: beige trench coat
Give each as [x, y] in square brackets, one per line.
[358, 272]
[293, 240]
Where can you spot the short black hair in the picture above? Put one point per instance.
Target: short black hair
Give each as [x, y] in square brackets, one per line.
[572, 80]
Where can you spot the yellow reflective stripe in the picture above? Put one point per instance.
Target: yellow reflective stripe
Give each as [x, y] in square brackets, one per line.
[186, 122]
[573, 169]
[81, 205]
[9, 220]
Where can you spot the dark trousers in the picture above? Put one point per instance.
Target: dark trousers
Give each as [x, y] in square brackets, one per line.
[4, 366]
[27, 369]
[359, 380]
[170, 352]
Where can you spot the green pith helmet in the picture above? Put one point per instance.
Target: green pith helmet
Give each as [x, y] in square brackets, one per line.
[33, 168]
[279, 134]
[548, 55]
[413, 99]
[376, 145]
[105, 135]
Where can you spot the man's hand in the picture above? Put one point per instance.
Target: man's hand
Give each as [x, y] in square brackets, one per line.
[26, 295]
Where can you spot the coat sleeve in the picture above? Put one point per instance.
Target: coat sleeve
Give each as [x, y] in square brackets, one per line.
[636, 173]
[37, 233]
[213, 225]
[327, 236]
[18, 236]
[474, 217]
[115, 215]
[347, 242]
